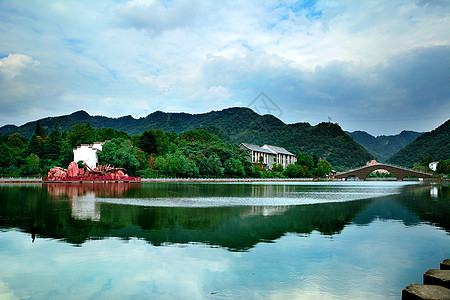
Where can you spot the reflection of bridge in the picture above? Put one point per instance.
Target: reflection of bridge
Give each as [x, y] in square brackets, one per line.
[398, 172]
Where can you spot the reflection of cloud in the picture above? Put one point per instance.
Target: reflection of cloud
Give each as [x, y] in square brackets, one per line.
[371, 262]
[6, 293]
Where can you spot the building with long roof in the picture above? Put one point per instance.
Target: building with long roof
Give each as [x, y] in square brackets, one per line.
[268, 155]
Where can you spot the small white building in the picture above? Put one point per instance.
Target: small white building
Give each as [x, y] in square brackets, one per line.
[88, 153]
[433, 165]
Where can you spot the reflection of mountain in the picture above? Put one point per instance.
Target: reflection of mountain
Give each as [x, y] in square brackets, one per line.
[417, 204]
[34, 210]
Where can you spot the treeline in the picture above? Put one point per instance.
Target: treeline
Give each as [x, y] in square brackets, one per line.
[154, 153]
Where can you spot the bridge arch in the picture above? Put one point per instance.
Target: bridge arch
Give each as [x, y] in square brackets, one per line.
[399, 172]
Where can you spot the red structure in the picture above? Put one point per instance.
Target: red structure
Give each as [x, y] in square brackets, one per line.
[100, 173]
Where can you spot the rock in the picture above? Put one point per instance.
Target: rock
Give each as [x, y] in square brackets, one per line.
[119, 175]
[437, 277]
[445, 264]
[422, 291]
[72, 169]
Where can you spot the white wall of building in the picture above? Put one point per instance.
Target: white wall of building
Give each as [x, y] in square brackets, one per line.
[87, 153]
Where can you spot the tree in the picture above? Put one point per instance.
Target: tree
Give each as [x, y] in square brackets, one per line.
[35, 145]
[296, 171]
[154, 142]
[121, 154]
[6, 157]
[304, 159]
[16, 141]
[323, 168]
[33, 164]
[443, 167]
[40, 131]
[211, 166]
[176, 164]
[103, 134]
[52, 145]
[234, 168]
[80, 134]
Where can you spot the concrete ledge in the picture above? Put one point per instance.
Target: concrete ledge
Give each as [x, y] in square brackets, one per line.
[437, 277]
[425, 292]
[445, 264]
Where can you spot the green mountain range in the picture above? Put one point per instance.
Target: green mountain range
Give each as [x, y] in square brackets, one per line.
[434, 144]
[384, 146]
[326, 140]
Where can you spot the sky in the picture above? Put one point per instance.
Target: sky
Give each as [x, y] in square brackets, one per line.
[377, 66]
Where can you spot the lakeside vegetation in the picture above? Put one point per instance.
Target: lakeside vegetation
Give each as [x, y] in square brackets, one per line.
[154, 153]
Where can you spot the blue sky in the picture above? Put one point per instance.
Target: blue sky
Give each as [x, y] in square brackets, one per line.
[378, 66]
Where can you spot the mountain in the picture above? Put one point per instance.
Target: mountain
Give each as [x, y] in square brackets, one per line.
[435, 144]
[384, 146]
[326, 140]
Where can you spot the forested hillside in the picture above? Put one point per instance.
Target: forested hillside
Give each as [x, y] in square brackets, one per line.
[435, 145]
[325, 140]
[384, 146]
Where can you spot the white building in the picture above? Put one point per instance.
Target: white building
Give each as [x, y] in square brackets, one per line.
[433, 165]
[87, 153]
[269, 155]
[283, 156]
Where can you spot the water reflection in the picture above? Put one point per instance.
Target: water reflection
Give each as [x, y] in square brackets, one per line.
[79, 212]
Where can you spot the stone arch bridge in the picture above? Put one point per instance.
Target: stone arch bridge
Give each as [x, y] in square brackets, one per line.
[398, 172]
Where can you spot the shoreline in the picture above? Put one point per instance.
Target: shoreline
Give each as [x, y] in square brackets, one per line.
[154, 180]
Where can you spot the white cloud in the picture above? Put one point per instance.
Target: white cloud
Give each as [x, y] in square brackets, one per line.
[14, 64]
[182, 53]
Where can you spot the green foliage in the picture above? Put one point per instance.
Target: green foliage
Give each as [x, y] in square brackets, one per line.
[323, 168]
[81, 134]
[443, 167]
[234, 168]
[6, 157]
[16, 141]
[305, 160]
[211, 166]
[120, 153]
[65, 154]
[52, 145]
[40, 131]
[296, 171]
[103, 134]
[154, 142]
[199, 136]
[32, 165]
[35, 145]
[277, 167]
[177, 165]
[434, 144]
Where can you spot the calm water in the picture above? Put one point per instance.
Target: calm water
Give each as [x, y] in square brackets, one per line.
[220, 240]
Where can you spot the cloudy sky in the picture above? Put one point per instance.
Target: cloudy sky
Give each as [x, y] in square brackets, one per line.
[379, 66]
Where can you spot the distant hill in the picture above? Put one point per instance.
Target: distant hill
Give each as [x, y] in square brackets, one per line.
[326, 140]
[435, 144]
[384, 146]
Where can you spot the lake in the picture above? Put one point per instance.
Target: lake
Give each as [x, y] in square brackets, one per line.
[264, 240]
